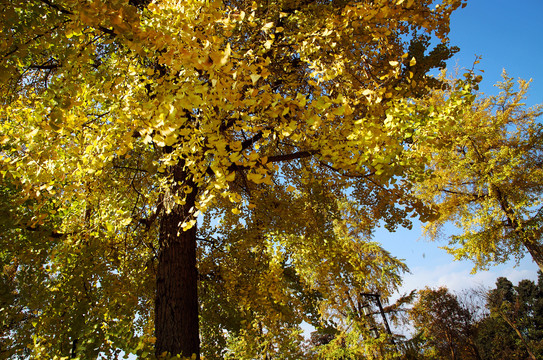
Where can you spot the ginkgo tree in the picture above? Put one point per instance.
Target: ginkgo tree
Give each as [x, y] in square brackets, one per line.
[486, 177]
[287, 122]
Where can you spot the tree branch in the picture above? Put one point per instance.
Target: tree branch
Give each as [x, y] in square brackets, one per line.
[359, 176]
[245, 145]
[473, 196]
[56, 7]
[45, 67]
[54, 234]
[292, 156]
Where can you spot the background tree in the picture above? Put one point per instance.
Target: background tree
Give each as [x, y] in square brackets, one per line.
[123, 121]
[444, 328]
[486, 178]
[500, 323]
[513, 329]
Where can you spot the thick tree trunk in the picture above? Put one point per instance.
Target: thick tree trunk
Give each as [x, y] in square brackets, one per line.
[176, 303]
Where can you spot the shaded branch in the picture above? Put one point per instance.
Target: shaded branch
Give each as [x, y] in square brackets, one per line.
[45, 67]
[57, 7]
[129, 168]
[345, 174]
[292, 156]
[148, 222]
[53, 234]
[68, 12]
[474, 196]
[247, 143]
[276, 158]
[16, 48]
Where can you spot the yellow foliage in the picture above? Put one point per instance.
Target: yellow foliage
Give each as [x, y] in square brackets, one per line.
[485, 175]
[287, 124]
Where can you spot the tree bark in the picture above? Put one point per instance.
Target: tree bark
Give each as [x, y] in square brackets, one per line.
[176, 303]
[522, 339]
[536, 251]
[475, 349]
[530, 242]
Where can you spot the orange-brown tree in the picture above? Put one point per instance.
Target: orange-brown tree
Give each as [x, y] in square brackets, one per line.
[447, 329]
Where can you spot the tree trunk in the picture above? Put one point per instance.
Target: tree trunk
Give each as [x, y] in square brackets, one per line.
[475, 349]
[520, 335]
[536, 251]
[176, 303]
[516, 223]
[451, 344]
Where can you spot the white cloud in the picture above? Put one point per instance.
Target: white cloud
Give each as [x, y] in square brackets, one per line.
[456, 276]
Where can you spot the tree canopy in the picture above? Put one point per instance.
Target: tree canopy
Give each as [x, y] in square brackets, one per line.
[486, 178]
[282, 127]
[453, 326]
[444, 326]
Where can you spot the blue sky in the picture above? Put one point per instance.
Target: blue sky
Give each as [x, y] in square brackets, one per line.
[508, 35]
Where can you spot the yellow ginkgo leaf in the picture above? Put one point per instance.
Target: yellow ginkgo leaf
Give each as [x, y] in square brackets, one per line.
[255, 78]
